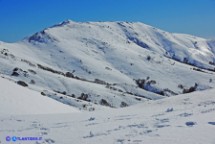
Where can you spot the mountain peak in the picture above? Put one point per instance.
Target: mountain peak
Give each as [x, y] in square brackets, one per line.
[41, 37]
[66, 22]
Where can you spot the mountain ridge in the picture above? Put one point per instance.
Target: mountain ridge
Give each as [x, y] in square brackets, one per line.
[115, 64]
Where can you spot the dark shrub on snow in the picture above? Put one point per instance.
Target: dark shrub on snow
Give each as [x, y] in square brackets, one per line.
[42, 93]
[32, 71]
[22, 83]
[15, 73]
[180, 86]
[140, 83]
[98, 81]
[69, 74]
[191, 89]
[32, 82]
[104, 102]
[148, 58]
[123, 104]
[83, 96]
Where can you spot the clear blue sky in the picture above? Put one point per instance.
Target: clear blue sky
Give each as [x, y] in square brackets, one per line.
[20, 18]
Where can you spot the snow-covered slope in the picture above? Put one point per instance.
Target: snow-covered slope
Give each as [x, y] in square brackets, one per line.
[96, 65]
[17, 100]
[115, 64]
[184, 119]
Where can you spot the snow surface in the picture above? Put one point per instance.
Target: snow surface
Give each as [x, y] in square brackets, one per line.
[183, 119]
[17, 100]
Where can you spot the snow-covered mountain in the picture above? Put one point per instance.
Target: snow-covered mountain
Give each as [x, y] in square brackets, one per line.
[98, 65]
[115, 64]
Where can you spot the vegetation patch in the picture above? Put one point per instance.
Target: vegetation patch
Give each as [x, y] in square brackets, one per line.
[22, 83]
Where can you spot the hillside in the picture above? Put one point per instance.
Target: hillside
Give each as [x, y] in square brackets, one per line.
[16, 100]
[114, 64]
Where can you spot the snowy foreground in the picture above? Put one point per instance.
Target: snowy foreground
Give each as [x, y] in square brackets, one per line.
[185, 119]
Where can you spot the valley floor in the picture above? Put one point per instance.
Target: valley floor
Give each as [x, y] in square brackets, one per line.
[185, 119]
